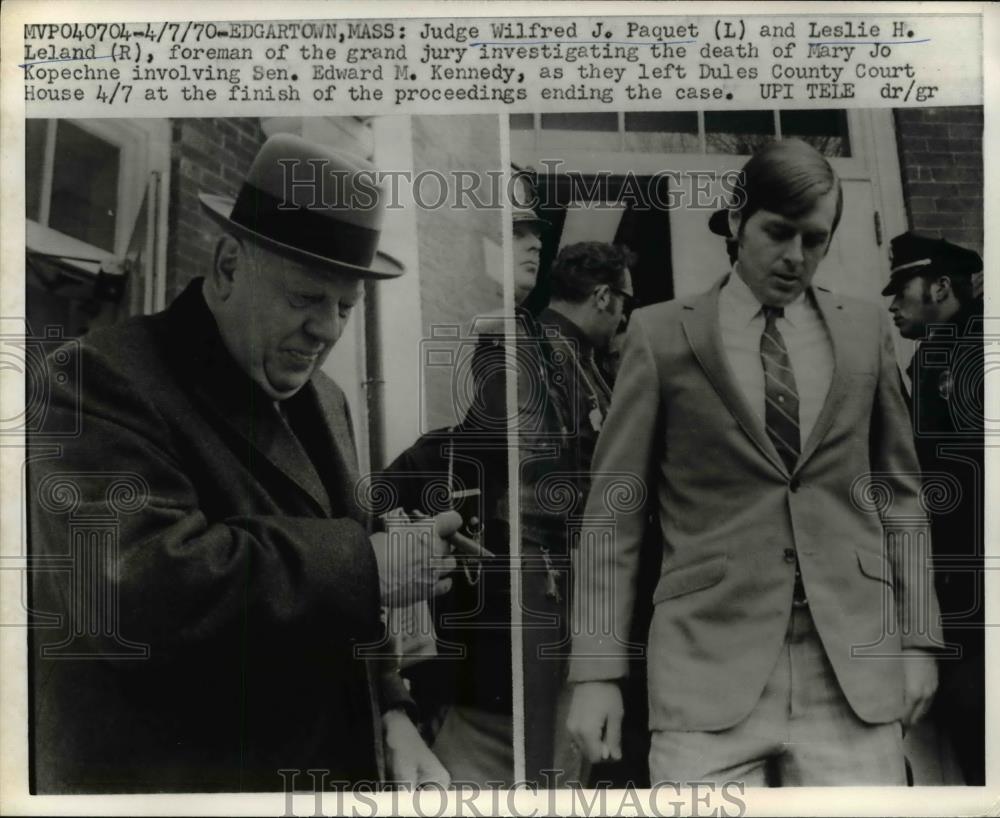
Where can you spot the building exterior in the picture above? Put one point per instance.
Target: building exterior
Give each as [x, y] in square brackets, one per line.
[114, 227]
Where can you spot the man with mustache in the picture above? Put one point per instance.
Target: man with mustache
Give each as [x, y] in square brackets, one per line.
[241, 574]
[591, 296]
[792, 638]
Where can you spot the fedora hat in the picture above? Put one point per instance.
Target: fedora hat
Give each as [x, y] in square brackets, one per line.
[310, 202]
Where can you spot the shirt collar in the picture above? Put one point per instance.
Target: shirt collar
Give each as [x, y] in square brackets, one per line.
[743, 305]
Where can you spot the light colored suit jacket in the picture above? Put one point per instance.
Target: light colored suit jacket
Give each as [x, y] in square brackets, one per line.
[732, 518]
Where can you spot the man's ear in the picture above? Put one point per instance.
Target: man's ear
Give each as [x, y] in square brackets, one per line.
[941, 288]
[228, 255]
[602, 296]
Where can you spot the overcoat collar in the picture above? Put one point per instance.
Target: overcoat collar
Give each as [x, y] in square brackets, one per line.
[224, 391]
[700, 320]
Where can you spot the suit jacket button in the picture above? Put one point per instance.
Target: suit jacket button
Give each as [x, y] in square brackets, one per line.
[794, 484]
[789, 555]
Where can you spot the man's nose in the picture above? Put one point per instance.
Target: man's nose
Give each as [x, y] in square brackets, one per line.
[894, 306]
[325, 324]
[793, 250]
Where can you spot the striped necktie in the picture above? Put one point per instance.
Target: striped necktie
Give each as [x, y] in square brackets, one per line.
[781, 399]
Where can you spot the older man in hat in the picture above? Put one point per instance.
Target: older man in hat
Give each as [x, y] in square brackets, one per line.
[936, 301]
[237, 582]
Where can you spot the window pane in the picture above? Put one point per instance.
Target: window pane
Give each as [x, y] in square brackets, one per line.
[825, 130]
[84, 186]
[34, 161]
[580, 122]
[662, 132]
[738, 132]
[522, 122]
[579, 132]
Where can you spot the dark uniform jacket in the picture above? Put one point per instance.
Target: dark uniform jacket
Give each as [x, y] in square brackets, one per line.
[947, 406]
[221, 575]
[461, 468]
[472, 621]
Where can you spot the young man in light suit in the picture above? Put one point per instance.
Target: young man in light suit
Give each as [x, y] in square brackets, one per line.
[792, 639]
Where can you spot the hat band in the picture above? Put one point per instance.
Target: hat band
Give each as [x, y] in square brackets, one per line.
[312, 230]
[924, 262]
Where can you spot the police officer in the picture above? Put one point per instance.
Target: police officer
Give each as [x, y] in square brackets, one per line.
[936, 301]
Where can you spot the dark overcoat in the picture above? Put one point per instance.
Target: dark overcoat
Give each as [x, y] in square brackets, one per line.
[205, 578]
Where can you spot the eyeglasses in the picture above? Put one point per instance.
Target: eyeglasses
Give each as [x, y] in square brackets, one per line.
[629, 301]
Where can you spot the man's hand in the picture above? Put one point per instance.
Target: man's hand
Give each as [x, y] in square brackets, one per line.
[920, 680]
[413, 556]
[409, 760]
[595, 720]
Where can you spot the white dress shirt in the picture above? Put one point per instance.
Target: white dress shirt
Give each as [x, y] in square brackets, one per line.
[810, 350]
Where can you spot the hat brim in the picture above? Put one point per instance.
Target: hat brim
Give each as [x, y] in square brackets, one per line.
[538, 221]
[899, 281]
[718, 223]
[219, 208]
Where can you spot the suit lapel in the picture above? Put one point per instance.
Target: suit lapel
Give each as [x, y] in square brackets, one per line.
[832, 312]
[700, 320]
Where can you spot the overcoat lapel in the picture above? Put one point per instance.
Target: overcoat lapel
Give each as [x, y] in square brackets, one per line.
[324, 418]
[700, 320]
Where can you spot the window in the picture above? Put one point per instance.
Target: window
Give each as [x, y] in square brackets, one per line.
[95, 214]
[668, 132]
[694, 132]
[83, 195]
[594, 131]
[738, 132]
[825, 130]
[83, 184]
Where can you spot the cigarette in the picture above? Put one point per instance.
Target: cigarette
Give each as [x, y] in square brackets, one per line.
[467, 546]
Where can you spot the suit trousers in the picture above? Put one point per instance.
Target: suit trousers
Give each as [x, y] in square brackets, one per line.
[477, 747]
[801, 732]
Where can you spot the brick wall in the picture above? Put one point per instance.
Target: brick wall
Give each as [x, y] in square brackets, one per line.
[207, 155]
[454, 285]
[941, 163]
